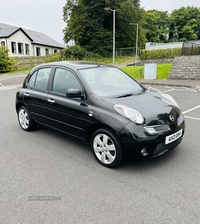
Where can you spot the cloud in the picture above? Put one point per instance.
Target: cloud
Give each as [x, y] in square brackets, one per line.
[40, 15]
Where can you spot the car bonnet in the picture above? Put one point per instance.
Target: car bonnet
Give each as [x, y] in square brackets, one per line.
[155, 108]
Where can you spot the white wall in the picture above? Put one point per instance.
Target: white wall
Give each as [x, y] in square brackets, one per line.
[2, 39]
[42, 49]
[156, 46]
[19, 37]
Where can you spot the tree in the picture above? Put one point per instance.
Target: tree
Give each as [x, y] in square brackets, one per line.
[91, 26]
[185, 24]
[157, 26]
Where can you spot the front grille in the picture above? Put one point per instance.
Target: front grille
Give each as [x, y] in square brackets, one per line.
[155, 129]
[162, 148]
[161, 128]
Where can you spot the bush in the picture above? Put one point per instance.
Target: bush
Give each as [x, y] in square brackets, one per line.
[78, 53]
[53, 57]
[6, 63]
[160, 53]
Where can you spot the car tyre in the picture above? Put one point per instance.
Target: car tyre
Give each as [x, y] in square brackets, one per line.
[26, 122]
[106, 148]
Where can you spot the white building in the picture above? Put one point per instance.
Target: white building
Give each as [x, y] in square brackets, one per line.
[23, 42]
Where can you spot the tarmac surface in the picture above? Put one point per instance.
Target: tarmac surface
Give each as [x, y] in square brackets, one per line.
[17, 81]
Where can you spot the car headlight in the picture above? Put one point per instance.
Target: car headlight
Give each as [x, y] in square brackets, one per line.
[171, 99]
[129, 113]
[180, 120]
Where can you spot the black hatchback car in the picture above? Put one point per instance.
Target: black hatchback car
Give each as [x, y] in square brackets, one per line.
[101, 106]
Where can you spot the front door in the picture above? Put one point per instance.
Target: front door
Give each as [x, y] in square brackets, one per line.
[68, 115]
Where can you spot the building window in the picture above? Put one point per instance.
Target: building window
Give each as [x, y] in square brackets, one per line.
[3, 44]
[55, 51]
[47, 51]
[38, 51]
[13, 47]
[27, 48]
[20, 48]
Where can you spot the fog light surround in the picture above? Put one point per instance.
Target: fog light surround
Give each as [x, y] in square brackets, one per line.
[144, 152]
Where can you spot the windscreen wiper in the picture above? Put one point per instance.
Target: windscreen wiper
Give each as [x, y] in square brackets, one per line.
[125, 95]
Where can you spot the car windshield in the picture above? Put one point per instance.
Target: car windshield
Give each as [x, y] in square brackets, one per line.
[110, 82]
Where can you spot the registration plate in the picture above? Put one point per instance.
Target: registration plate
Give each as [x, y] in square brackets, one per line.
[173, 137]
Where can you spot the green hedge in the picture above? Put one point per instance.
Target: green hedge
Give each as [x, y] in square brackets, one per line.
[53, 57]
[6, 63]
[160, 53]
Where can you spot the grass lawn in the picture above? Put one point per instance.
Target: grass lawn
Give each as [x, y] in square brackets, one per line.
[24, 71]
[137, 72]
[117, 60]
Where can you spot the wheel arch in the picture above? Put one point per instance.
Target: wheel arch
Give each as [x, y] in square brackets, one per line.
[95, 127]
[18, 105]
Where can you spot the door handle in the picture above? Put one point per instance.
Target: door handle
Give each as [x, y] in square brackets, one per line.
[51, 101]
[26, 94]
[84, 104]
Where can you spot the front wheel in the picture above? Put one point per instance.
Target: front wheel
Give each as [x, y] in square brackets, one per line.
[106, 148]
[25, 120]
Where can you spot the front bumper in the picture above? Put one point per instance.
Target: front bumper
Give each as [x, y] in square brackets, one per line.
[136, 140]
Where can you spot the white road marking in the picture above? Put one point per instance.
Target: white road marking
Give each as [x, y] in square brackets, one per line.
[166, 91]
[10, 87]
[194, 118]
[184, 89]
[169, 89]
[150, 87]
[194, 108]
[196, 91]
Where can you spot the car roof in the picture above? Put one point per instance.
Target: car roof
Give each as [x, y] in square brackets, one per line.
[74, 64]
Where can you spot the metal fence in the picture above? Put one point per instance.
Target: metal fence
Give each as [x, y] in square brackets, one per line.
[191, 48]
[127, 51]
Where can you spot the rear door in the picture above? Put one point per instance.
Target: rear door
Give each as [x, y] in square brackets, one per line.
[35, 93]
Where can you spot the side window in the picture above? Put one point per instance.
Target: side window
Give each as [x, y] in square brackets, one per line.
[31, 81]
[39, 79]
[64, 80]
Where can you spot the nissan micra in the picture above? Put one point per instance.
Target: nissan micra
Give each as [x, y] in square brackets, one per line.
[102, 106]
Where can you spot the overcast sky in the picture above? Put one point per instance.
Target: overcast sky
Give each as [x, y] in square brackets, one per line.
[46, 15]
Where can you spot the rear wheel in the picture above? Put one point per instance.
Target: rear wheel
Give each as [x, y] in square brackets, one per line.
[106, 148]
[25, 120]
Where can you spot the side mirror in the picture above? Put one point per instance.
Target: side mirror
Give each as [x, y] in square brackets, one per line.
[71, 93]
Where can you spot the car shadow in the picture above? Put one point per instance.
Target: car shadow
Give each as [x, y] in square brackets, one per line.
[130, 162]
[143, 164]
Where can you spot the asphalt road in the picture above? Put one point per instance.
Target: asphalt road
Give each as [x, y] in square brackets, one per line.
[48, 178]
